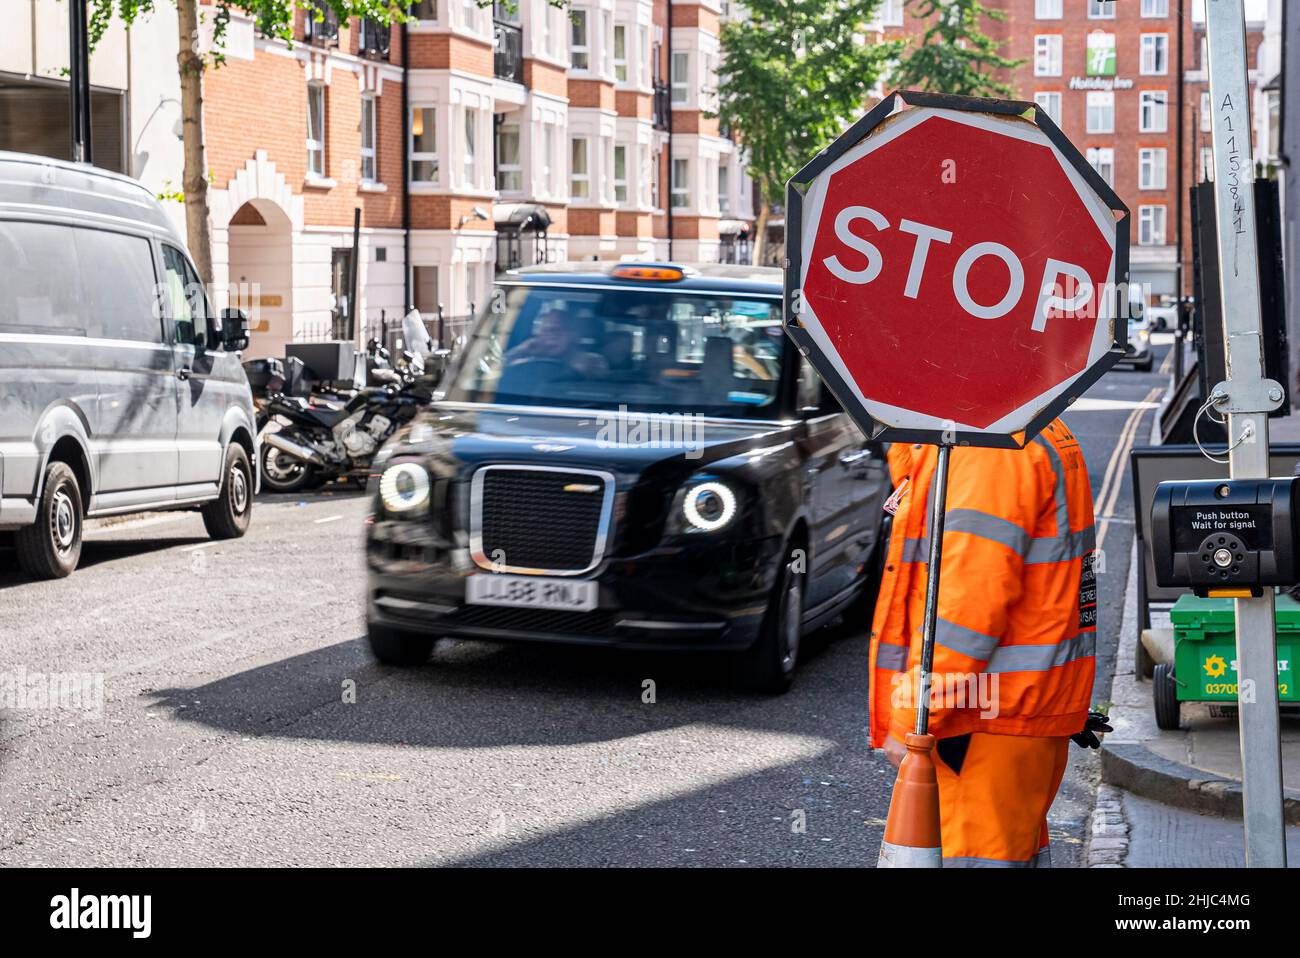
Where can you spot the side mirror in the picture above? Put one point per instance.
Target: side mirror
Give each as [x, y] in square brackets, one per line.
[234, 329]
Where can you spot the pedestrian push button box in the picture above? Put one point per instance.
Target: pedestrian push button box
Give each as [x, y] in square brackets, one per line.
[1225, 537]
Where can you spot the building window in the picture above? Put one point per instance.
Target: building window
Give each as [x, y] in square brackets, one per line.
[1047, 9]
[369, 167]
[1206, 119]
[1047, 55]
[1207, 164]
[679, 188]
[425, 9]
[1050, 103]
[1101, 9]
[579, 51]
[679, 76]
[1155, 8]
[1102, 159]
[1151, 226]
[1154, 111]
[620, 174]
[1155, 54]
[579, 175]
[1101, 111]
[424, 144]
[315, 129]
[642, 54]
[724, 187]
[471, 288]
[510, 175]
[471, 147]
[891, 13]
[620, 53]
[645, 180]
[1152, 167]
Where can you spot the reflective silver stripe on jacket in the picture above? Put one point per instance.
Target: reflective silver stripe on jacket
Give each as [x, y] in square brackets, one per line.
[1040, 658]
[964, 641]
[1041, 860]
[1065, 545]
[892, 657]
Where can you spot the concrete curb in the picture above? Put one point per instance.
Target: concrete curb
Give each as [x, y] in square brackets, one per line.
[1137, 769]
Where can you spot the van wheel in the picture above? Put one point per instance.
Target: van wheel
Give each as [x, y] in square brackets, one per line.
[769, 664]
[1164, 692]
[227, 516]
[51, 547]
[397, 647]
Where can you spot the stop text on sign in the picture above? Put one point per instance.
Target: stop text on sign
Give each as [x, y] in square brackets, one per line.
[1050, 290]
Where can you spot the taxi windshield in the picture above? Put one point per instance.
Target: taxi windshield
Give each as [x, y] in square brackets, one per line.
[705, 353]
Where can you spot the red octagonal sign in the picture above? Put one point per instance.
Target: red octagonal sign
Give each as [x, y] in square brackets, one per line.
[955, 273]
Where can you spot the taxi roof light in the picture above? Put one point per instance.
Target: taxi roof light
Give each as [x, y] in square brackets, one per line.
[659, 274]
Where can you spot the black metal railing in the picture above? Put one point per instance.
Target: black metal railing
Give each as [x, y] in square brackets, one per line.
[386, 327]
[663, 108]
[508, 57]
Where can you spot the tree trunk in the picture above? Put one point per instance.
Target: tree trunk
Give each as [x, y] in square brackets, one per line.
[760, 228]
[195, 175]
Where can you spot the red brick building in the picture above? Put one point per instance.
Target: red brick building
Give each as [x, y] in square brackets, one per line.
[1109, 74]
[475, 139]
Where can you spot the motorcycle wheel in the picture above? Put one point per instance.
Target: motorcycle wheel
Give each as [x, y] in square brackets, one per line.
[281, 472]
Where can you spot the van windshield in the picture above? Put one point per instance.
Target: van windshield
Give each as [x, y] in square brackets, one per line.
[652, 351]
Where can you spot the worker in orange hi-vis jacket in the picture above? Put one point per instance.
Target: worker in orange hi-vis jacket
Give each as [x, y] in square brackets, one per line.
[1015, 640]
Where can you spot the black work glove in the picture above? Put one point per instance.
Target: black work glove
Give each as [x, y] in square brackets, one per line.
[1097, 722]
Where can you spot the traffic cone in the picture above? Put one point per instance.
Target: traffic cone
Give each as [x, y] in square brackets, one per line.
[912, 831]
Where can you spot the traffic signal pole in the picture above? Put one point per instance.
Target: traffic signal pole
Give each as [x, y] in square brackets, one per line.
[79, 81]
[1247, 397]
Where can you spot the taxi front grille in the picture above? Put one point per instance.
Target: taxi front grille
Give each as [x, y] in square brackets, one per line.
[539, 520]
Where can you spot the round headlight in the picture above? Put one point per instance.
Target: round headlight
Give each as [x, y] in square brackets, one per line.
[709, 506]
[404, 487]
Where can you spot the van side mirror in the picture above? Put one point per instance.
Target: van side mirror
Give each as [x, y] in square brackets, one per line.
[234, 329]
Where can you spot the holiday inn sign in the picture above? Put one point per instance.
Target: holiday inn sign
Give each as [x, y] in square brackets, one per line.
[1101, 54]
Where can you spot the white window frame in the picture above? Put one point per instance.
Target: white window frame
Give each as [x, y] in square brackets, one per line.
[1148, 216]
[1045, 97]
[620, 183]
[621, 63]
[645, 175]
[1102, 159]
[370, 105]
[316, 145]
[724, 189]
[1153, 100]
[581, 50]
[891, 13]
[580, 178]
[676, 83]
[516, 168]
[1151, 47]
[424, 156]
[1049, 43]
[1101, 111]
[1153, 168]
[1155, 8]
[1207, 120]
[1206, 171]
[679, 194]
[1047, 9]
[1101, 10]
[469, 149]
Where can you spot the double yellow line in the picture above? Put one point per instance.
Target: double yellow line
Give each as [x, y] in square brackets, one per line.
[1103, 506]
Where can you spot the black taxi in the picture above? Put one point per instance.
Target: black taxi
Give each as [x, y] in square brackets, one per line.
[631, 455]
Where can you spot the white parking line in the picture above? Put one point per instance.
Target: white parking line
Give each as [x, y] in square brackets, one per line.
[197, 547]
[326, 519]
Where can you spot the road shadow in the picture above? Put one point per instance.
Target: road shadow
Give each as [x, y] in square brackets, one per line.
[94, 552]
[477, 695]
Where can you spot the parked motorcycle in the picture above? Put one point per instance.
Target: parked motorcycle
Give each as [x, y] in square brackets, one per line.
[318, 440]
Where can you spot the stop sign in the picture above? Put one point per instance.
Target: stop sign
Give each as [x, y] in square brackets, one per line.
[955, 269]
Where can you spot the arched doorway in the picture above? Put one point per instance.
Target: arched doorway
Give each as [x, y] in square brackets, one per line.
[261, 274]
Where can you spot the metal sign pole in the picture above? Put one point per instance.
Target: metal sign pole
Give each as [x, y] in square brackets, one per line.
[1247, 397]
[79, 81]
[932, 588]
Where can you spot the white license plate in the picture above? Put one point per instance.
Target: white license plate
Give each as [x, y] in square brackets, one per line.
[571, 595]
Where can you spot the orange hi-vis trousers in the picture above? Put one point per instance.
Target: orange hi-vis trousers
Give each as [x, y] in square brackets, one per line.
[993, 813]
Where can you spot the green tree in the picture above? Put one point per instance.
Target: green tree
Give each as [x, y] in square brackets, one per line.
[954, 54]
[274, 19]
[794, 75]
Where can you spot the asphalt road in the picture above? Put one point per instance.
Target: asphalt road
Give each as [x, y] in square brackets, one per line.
[244, 723]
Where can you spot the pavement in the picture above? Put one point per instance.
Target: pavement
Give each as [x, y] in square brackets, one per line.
[1173, 797]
